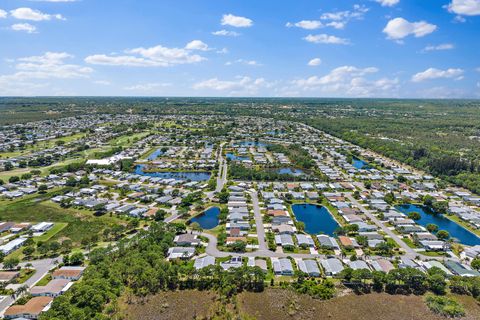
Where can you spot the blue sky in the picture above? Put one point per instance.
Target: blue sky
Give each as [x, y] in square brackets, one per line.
[307, 48]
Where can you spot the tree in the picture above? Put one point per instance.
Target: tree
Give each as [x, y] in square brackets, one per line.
[431, 227]
[11, 263]
[75, 259]
[42, 188]
[414, 215]
[13, 179]
[195, 226]
[160, 215]
[443, 235]
[476, 263]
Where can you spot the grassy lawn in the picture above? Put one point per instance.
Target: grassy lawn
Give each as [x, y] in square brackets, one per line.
[45, 280]
[59, 226]
[127, 140]
[5, 175]
[462, 223]
[71, 223]
[25, 274]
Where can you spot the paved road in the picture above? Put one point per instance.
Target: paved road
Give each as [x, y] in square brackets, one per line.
[262, 244]
[212, 250]
[222, 173]
[42, 267]
[409, 252]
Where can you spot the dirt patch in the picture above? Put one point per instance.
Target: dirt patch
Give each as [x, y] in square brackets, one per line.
[278, 304]
[179, 305]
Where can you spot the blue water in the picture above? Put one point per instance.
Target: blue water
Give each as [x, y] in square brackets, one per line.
[155, 154]
[231, 156]
[208, 219]
[360, 164]
[317, 219]
[193, 176]
[456, 231]
[290, 171]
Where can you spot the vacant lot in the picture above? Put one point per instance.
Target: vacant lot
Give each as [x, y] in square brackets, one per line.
[279, 304]
[282, 304]
[179, 305]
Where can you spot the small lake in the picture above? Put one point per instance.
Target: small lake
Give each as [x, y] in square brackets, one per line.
[455, 230]
[177, 175]
[234, 157]
[317, 219]
[360, 164]
[291, 171]
[208, 219]
[155, 154]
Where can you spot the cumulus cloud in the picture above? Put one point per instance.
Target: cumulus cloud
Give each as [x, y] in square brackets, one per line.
[464, 7]
[439, 47]
[226, 33]
[399, 28]
[315, 62]
[32, 73]
[3, 14]
[158, 56]
[388, 3]
[306, 24]
[236, 21]
[325, 38]
[348, 81]
[197, 45]
[34, 15]
[24, 27]
[433, 73]
[241, 85]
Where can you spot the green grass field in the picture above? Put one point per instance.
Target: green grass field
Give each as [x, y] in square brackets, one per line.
[71, 223]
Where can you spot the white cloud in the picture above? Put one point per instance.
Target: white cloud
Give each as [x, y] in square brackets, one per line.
[24, 27]
[34, 15]
[157, 56]
[433, 73]
[440, 47]
[236, 21]
[3, 14]
[339, 19]
[51, 65]
[226, 33]
[388, 3]
[315, 62]
[348, 81]
[147, 87]
[399, 28]
[245, 62]
[197, 45]
[465, 7]
[306, 24]
[241, 85]
[325, 38]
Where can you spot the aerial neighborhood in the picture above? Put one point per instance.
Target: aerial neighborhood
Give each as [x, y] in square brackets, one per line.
[277, 196]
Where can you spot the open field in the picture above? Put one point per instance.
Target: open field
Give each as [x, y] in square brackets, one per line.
[279, 304]
[176, 305]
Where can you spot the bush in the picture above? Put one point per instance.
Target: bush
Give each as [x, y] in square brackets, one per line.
[445, 306]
